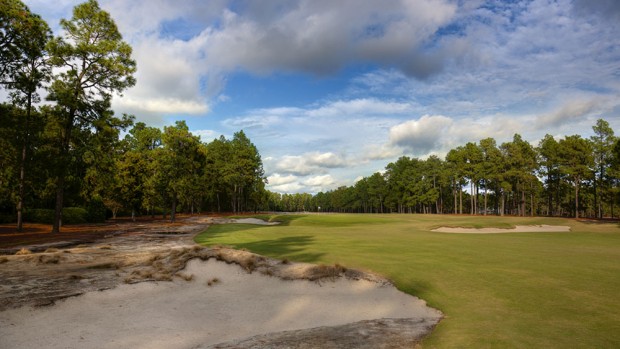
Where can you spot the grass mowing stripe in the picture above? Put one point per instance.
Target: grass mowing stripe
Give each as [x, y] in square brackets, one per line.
[518, 290]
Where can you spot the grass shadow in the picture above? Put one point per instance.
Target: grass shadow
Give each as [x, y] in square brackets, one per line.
[292, 247]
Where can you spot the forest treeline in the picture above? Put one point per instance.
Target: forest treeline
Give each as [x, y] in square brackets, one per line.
[572, 176]
[64, 160]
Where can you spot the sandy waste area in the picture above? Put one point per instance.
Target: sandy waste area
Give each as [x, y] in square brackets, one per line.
[209, 298]
[517, 229]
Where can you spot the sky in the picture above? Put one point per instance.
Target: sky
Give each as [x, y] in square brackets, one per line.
[332, 91]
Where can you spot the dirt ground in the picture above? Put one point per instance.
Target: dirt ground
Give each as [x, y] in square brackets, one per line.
[38, 268]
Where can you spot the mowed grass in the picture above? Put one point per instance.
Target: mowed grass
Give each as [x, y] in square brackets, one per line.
[517, 290]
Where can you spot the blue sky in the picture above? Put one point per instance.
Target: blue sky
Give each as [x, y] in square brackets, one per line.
[330, 91]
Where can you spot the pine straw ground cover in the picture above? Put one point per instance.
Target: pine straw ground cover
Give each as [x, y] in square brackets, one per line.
[518, 290]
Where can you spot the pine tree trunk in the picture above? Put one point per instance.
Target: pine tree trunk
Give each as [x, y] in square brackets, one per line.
[60, 181]
[22, 166]
[174, 208]
[503, 204]
[576, 199]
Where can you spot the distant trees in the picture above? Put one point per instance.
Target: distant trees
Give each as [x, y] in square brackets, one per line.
[572, 176]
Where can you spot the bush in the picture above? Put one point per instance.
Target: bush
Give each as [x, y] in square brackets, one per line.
[8, 218]
[70, 215]
[39, 215]
[96, 211]
[74, 215]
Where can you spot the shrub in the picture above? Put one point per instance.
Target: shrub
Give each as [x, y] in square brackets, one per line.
[70, 215]
[7, 218]
[96, 211]
[74, 215]
[39, 215]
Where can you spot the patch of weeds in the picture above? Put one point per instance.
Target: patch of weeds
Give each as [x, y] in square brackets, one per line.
[267, 272]
[213, 282]
[105, 247]
[322, 271]
[51, 250]
[285, 261]
[3, 260]
[23, 251]
[107, 265]
[249, 264]
[48, 259]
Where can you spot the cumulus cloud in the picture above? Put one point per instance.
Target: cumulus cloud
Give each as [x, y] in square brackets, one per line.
[279, 180]
[324, 181]
[321, 37]
[309, 163]
[422, 135]
[569, 112]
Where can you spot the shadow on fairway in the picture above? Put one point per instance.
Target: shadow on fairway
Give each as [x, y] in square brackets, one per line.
[290, 247]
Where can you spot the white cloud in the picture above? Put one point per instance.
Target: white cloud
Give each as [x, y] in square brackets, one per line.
[205, 135]
[422, 135]
[322, 37]
[570, 111]
[309, 163]
[277, 179]
[324, 181]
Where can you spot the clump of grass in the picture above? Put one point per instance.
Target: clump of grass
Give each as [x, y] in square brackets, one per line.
[285, 261]
[249, 263]
[105, 247]
[322, 271]
[267, 272]
[51, 250]
[23, 251]
[106, 265]
[213, 282]
[48, 259]
[3, 260]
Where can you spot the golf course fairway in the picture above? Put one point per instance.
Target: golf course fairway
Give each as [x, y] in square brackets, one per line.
[509, 290]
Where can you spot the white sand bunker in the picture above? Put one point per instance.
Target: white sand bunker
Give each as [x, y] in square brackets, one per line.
[517, 229]
[254, 221]
[222, 303]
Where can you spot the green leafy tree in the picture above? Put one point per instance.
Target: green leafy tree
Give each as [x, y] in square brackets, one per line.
[180, 163]
[457, 161]
[548, 150]
[377, 190]
[602, 143]
[521, 164]
[23, 36]
[134, 170]
[95, 63]
[577, 161]
[245, 172]
[490, 167]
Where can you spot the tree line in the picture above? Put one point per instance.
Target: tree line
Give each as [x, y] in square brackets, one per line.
[68, 152]
[572, 176]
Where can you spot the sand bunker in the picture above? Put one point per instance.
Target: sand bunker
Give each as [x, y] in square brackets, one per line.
[516, 229]
[222, 303]
[254, 221]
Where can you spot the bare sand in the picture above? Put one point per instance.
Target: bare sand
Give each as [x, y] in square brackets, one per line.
[254, 221]
[194, 314]
[517, 229]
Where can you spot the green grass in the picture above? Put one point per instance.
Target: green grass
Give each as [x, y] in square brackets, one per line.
[519, 290]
